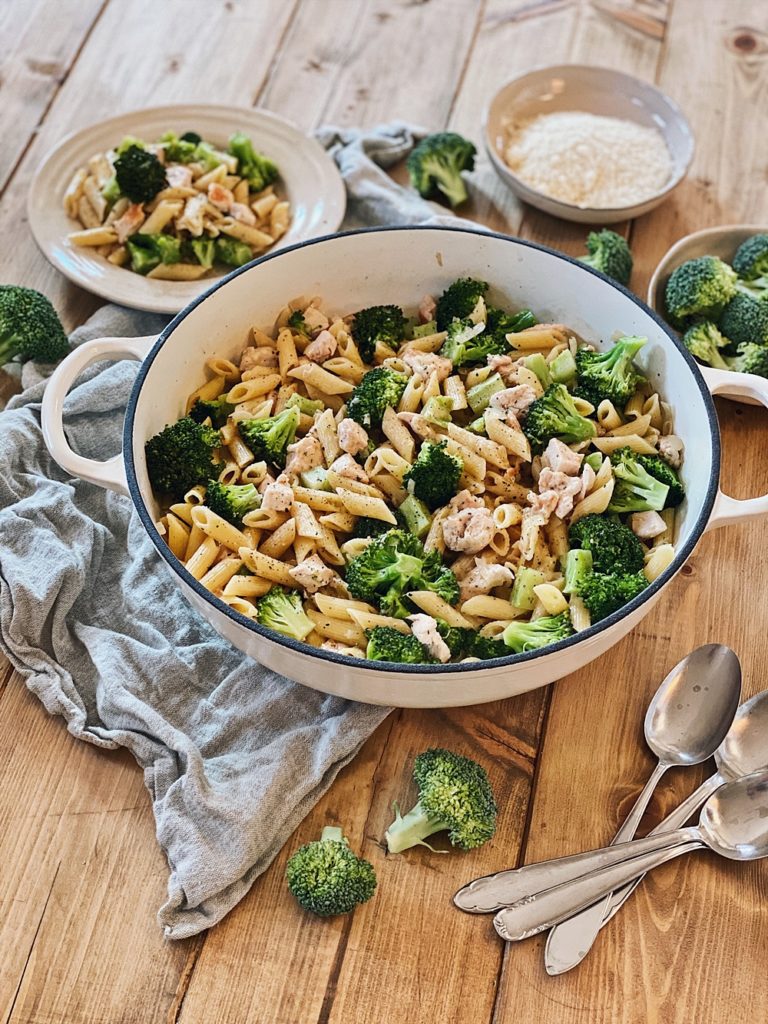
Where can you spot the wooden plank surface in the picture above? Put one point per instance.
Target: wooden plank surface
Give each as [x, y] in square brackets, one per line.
[82, 874]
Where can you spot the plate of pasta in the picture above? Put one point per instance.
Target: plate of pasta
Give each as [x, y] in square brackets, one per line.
[429, 485]
[147, 208]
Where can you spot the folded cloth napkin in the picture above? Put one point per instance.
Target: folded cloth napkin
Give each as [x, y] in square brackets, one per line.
[234, 755]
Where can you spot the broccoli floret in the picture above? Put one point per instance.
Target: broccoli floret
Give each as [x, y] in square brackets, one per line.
[127, 142]
[231, 252]
[578, 565]
[327, 878]
[139, 174]
[388, 644]
[751, 258]
[281, 609]
[217, 408]
[367, 527]
[268, 438]
[204, 251]
[435, 166]
[635, 489]
[29, 327]
[307, 406]
[699, 287]
[499, 323]
[149, 251]
[609, 375]
[468, 643]
[555, 415]
[751, 358]
[257, 168]
[704, 341]
[604, 593]
[297, 323]
[458, 300]
[181, 456]
[434, 476]
[745, 320]
[530, 636]
[756, 289]
[613, 546]
[485, 647]
[110, 190]
[179, 150]
[378, 323]
[379, 390]
[455, 795]
[232, 501]
[468, 343]
[394, 564]
[609, 253]
[662, 471]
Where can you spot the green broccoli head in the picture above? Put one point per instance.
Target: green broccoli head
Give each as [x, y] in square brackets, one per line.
[699, 287]
[232, 501]
[455, 795]
[457, 639]
[485, 647]
[499, 323]
[704, 340]
[204, 251]
[257, 168]
[613, 546]
[149, 251]
[181, 456]
[436, 163]
[179, 150]
[610, 254]
[139, 174]
[218, 409]
[327, 878]
[555, 415]
[281, 609]
[745, 320]
[604, 593]
[635, 490]
[367, 527]
[388, 644]
[297, 323]
[434, 476]
[458, 300]
[378, 323]
[379, 390]
[663, 472]
[231, 252]
[29, 327]
[530, 636]
[751, 358]
[611, 374]
[268, 438]
[469, 343]
[751, 259]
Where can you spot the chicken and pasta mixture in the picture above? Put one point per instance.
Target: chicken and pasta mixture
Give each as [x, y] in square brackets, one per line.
[177, 209]
[464, 483]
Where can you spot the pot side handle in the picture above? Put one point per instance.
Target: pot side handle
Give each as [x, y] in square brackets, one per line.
[111, 473]
[729, 510]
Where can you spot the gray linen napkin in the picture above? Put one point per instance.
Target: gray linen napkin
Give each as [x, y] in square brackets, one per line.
[234, 756]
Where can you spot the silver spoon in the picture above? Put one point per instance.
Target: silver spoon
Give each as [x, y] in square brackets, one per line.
[733, 823]
[685, 723]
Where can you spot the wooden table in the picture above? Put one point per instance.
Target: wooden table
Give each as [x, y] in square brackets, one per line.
[81, 874]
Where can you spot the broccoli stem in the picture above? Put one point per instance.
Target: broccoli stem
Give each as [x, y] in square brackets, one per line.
[412, 829]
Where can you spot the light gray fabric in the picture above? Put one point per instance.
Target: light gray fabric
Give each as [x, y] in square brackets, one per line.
[234, 756]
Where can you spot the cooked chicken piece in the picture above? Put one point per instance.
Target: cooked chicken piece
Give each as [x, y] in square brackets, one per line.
[129, 223]
[483, 578]
[265, 483]
[647, 525]
[567, 488]
[278, 497]
[243, 213]
[671, 450]
[464, 499]
[352, 437]
[505, 366]
[178, 176]
[418, 424]
[191, 219]
[427, 308]
[220, 197]
[260, 355]
[334, 645]
[321, 348]
[426, 363]
[304, 455]
[315, 320]
[541, 507]
[514, 400]
[346, 466]
[424, 628]
[587, 479]
[561, 458]
[469, 530]
[312, 574]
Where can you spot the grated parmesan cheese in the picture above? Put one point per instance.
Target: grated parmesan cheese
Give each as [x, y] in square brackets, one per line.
[589, 160]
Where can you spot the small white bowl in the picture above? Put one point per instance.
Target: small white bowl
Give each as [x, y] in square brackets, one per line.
[309, 179]
[593, 90]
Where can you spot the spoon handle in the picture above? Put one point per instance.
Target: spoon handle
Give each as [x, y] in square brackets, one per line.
[537, 913]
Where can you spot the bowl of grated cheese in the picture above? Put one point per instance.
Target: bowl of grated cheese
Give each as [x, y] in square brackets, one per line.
[587, 144]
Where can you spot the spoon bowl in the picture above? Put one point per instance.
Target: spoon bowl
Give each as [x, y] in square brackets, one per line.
[745, 747]
[734, 821]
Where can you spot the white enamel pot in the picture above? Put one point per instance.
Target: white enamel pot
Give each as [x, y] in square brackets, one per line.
[363, 268]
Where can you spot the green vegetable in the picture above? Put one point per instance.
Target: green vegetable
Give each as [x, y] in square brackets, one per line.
[385, 324]
[327, 878]
[610, 254]
[751, 358]
[699, 287]
[231, 252]
[635, 489]
[179, 150]
[563, 367]
[306, 406]
[388, 644]
[29, 327]
[149, 251]
[110, 190]
[464, 344]
[434, 476]
[609, 375]
[477, 426]
[485, 647]
[530, 636]
[745, 320]
[297, 323]
[424, 330]
[257, 168]
[522, 595]
[594, 459]
[219, 409]
[129, 142]
[578, 565]
[751, 259]
[232, 501]
[181, 456]
[367, 527]
[455, 795]
[415, 516]
[537, 364]
[281, 609]
[500, 323]
[315, 479]
[458, 301]
[704, 341]
[662, 471]
[204, 250]
[379, 389]
[268, 438]
[438, 408]
[555, 415]
[139, 174]
[613, 546]
[436, 163]
[605, 593]
[479, 395]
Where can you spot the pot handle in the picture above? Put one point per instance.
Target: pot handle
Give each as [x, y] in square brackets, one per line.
[729, 510]
[111, 473]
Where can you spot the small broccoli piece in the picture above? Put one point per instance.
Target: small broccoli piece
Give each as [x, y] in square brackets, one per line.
[751, 358]
[751, 258]
[458, 301]
[281, 609]
[530, 636]
[745, 320]
[232, 501]
[217, 408]
[455, 796]
[609, 375]
[610, 254]
[149, 251]
[110, 190]
[434, 476]
[268, 438]
[438, 409]
[635, 489]
[307, 406]
[139, 174]
[756, 289]
[231, 252]
[179, 150]
[378, 323]
[29, 327]
[379, 389]
[662, 471]
[699, 287]
[468, 343]
[204, 251]
[436, 163]
[257, 168]
[555, 415]
[327, 878]
[388, 644]
[458, 639]
[485, 647]
[297, 323]
[578, 565]
[394, 564]
[499, 323]
[181, 456]
[704, 341]
[367, 527]
[613, 546]
[604, 593]
[127, 142]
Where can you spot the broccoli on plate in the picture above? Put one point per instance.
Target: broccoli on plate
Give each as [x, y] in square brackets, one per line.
[268, 438]
[232, 501]
[257, 168]
[555, 415]
[613, 546]
[231, 252]
[388, 644]
[434, 476]
[610, 254]
[611, 374]
[635, 490]
[139, 174]
[327, 878]
[745, 320]
[699, 287]
[751, 258]
[436, 163]
[704, 340]
[751, 358]
[149, 251]
[379, 389]
[530, 636]
[281, 609]
[385, 324]
[29, 327]
[181, 456]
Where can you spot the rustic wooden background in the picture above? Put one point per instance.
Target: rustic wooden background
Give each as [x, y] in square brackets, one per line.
[80, 873]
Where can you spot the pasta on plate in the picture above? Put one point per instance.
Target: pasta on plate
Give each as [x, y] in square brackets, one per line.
[465, 483]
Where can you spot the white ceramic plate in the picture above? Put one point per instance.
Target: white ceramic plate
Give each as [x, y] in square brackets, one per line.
[309, 179]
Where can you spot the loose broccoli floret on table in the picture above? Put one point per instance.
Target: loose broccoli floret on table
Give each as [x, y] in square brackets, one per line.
[704, 341]
[455, 795]
[29, 327]
[139, 174]
[217, 408]
[610, 254]
[257, 168]
[613, 546]
[530, 636]
[181, 456]
[662, 471]
[458, 301]
[436, 163]
[327, 878]
[699, 287]
[232, 501]
[149, 251]
[555, 415]
[751, 358]
[635, 490]
[385, 324]
[434, 476]
[604, 593]
[751, 258]
[745, 320]
[281, 609]
[231, 252]
[611, 374]
[268, 438]
[388, 644]
[379, 389]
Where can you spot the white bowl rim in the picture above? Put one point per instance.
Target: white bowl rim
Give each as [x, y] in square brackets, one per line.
[681, 555]
[499, 163]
